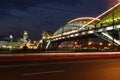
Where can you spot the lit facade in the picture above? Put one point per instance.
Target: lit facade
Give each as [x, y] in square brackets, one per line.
[25, 36]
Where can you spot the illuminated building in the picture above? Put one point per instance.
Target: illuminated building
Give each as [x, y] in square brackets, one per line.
[25, 36]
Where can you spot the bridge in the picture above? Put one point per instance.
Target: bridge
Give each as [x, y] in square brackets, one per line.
[105, 27]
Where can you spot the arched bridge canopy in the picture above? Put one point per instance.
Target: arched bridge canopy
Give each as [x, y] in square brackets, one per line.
[76, 24]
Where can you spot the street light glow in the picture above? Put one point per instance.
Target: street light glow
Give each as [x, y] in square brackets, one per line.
[118, 1]
[89, 43]
[101, 43]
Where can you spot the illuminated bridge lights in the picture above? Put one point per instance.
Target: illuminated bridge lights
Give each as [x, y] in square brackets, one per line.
[90, 32]
[77, 34]
[82, 18]
[72, 35]
[99, 26]
[58, 37]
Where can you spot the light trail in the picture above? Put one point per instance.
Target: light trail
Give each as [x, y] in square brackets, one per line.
[57, 54]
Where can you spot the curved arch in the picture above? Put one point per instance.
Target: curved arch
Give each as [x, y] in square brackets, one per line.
[76, 24]
[82, 19]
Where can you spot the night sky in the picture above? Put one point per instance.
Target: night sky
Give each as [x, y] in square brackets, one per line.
[45, 15]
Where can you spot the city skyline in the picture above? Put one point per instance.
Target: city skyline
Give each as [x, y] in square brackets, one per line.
[37, 16]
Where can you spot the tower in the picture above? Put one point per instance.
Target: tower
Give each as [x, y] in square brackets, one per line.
[25, 36]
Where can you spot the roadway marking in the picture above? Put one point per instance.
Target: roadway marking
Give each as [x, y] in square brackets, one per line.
[40, 73]
[54, 63]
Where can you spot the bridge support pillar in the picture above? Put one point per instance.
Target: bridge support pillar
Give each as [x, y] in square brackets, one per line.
[43, 45]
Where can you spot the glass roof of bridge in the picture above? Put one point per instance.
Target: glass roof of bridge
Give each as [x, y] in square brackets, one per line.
[112, 16]
[76, 24]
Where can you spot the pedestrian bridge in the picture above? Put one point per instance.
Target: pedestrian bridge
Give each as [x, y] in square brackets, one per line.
[105, 26]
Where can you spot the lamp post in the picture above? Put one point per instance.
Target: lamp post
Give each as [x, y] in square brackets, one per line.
[11, 39]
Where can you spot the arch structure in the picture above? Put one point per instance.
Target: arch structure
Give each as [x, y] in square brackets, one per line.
[75, 24]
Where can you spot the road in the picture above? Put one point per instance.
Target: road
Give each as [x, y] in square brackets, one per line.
[13, 57]
[68, 69]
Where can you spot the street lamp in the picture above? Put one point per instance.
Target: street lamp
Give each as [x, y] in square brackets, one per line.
[11, 39]
[100, 43]
[109, 44]
[89, 43]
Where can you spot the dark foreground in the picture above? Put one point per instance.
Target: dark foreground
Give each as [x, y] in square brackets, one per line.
[70, 69]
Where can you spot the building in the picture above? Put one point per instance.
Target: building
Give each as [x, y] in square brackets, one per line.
[25, 36]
